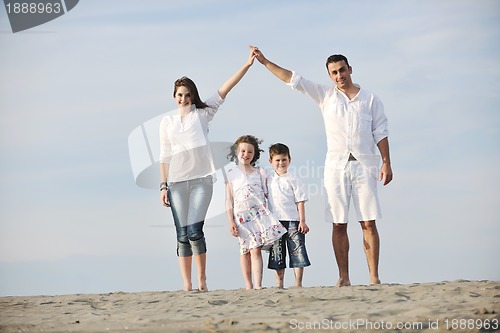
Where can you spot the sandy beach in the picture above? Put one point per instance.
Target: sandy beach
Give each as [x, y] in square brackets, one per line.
[456, 306]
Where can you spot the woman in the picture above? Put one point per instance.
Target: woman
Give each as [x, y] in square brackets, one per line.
[187, 169]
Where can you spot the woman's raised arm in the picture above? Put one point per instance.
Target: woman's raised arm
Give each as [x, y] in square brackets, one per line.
[233, 80]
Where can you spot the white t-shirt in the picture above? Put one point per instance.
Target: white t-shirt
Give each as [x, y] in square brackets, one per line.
[284, 193]
[184, 146]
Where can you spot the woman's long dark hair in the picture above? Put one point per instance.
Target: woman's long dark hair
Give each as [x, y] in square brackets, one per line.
[195, 96]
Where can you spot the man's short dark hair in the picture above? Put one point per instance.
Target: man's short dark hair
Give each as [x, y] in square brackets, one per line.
[336, 58]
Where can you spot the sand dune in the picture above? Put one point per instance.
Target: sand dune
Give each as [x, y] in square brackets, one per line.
[457, 306]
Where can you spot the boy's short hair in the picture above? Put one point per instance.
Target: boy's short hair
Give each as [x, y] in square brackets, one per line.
[279, 149]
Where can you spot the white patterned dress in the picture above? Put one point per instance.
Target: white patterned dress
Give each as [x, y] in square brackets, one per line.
[257, 226]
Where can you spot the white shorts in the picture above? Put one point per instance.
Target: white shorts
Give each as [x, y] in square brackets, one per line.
[354, 181]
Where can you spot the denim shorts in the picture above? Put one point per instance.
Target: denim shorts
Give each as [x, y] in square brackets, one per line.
[296, 244]
[189, 201]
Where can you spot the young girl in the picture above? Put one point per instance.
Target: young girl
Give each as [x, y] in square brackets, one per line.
[249, 218]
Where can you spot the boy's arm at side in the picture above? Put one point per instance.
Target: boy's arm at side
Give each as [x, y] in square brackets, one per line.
[230, 211]
[303, 228]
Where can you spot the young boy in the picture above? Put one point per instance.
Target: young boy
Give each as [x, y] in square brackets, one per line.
[286, 200]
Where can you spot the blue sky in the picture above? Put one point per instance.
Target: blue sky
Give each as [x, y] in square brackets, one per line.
[73, 220]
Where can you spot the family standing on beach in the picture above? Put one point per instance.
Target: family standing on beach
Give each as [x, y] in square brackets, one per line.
[267, 212]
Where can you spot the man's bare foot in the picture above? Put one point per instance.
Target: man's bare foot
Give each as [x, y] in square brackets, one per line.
[203, 288]
[188, 288]
[343, 283]
[374, 282]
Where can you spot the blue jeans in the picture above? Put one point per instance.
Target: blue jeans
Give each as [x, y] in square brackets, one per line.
[189, 202]
[296, 244]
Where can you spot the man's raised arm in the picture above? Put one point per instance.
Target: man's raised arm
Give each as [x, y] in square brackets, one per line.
[281, 73]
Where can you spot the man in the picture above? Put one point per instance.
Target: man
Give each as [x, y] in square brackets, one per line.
[355, 126]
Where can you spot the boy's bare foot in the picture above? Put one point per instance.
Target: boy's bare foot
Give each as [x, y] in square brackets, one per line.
[374, 282]
[343, 283]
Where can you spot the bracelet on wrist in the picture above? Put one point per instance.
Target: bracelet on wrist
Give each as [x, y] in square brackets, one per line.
[164, 186]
